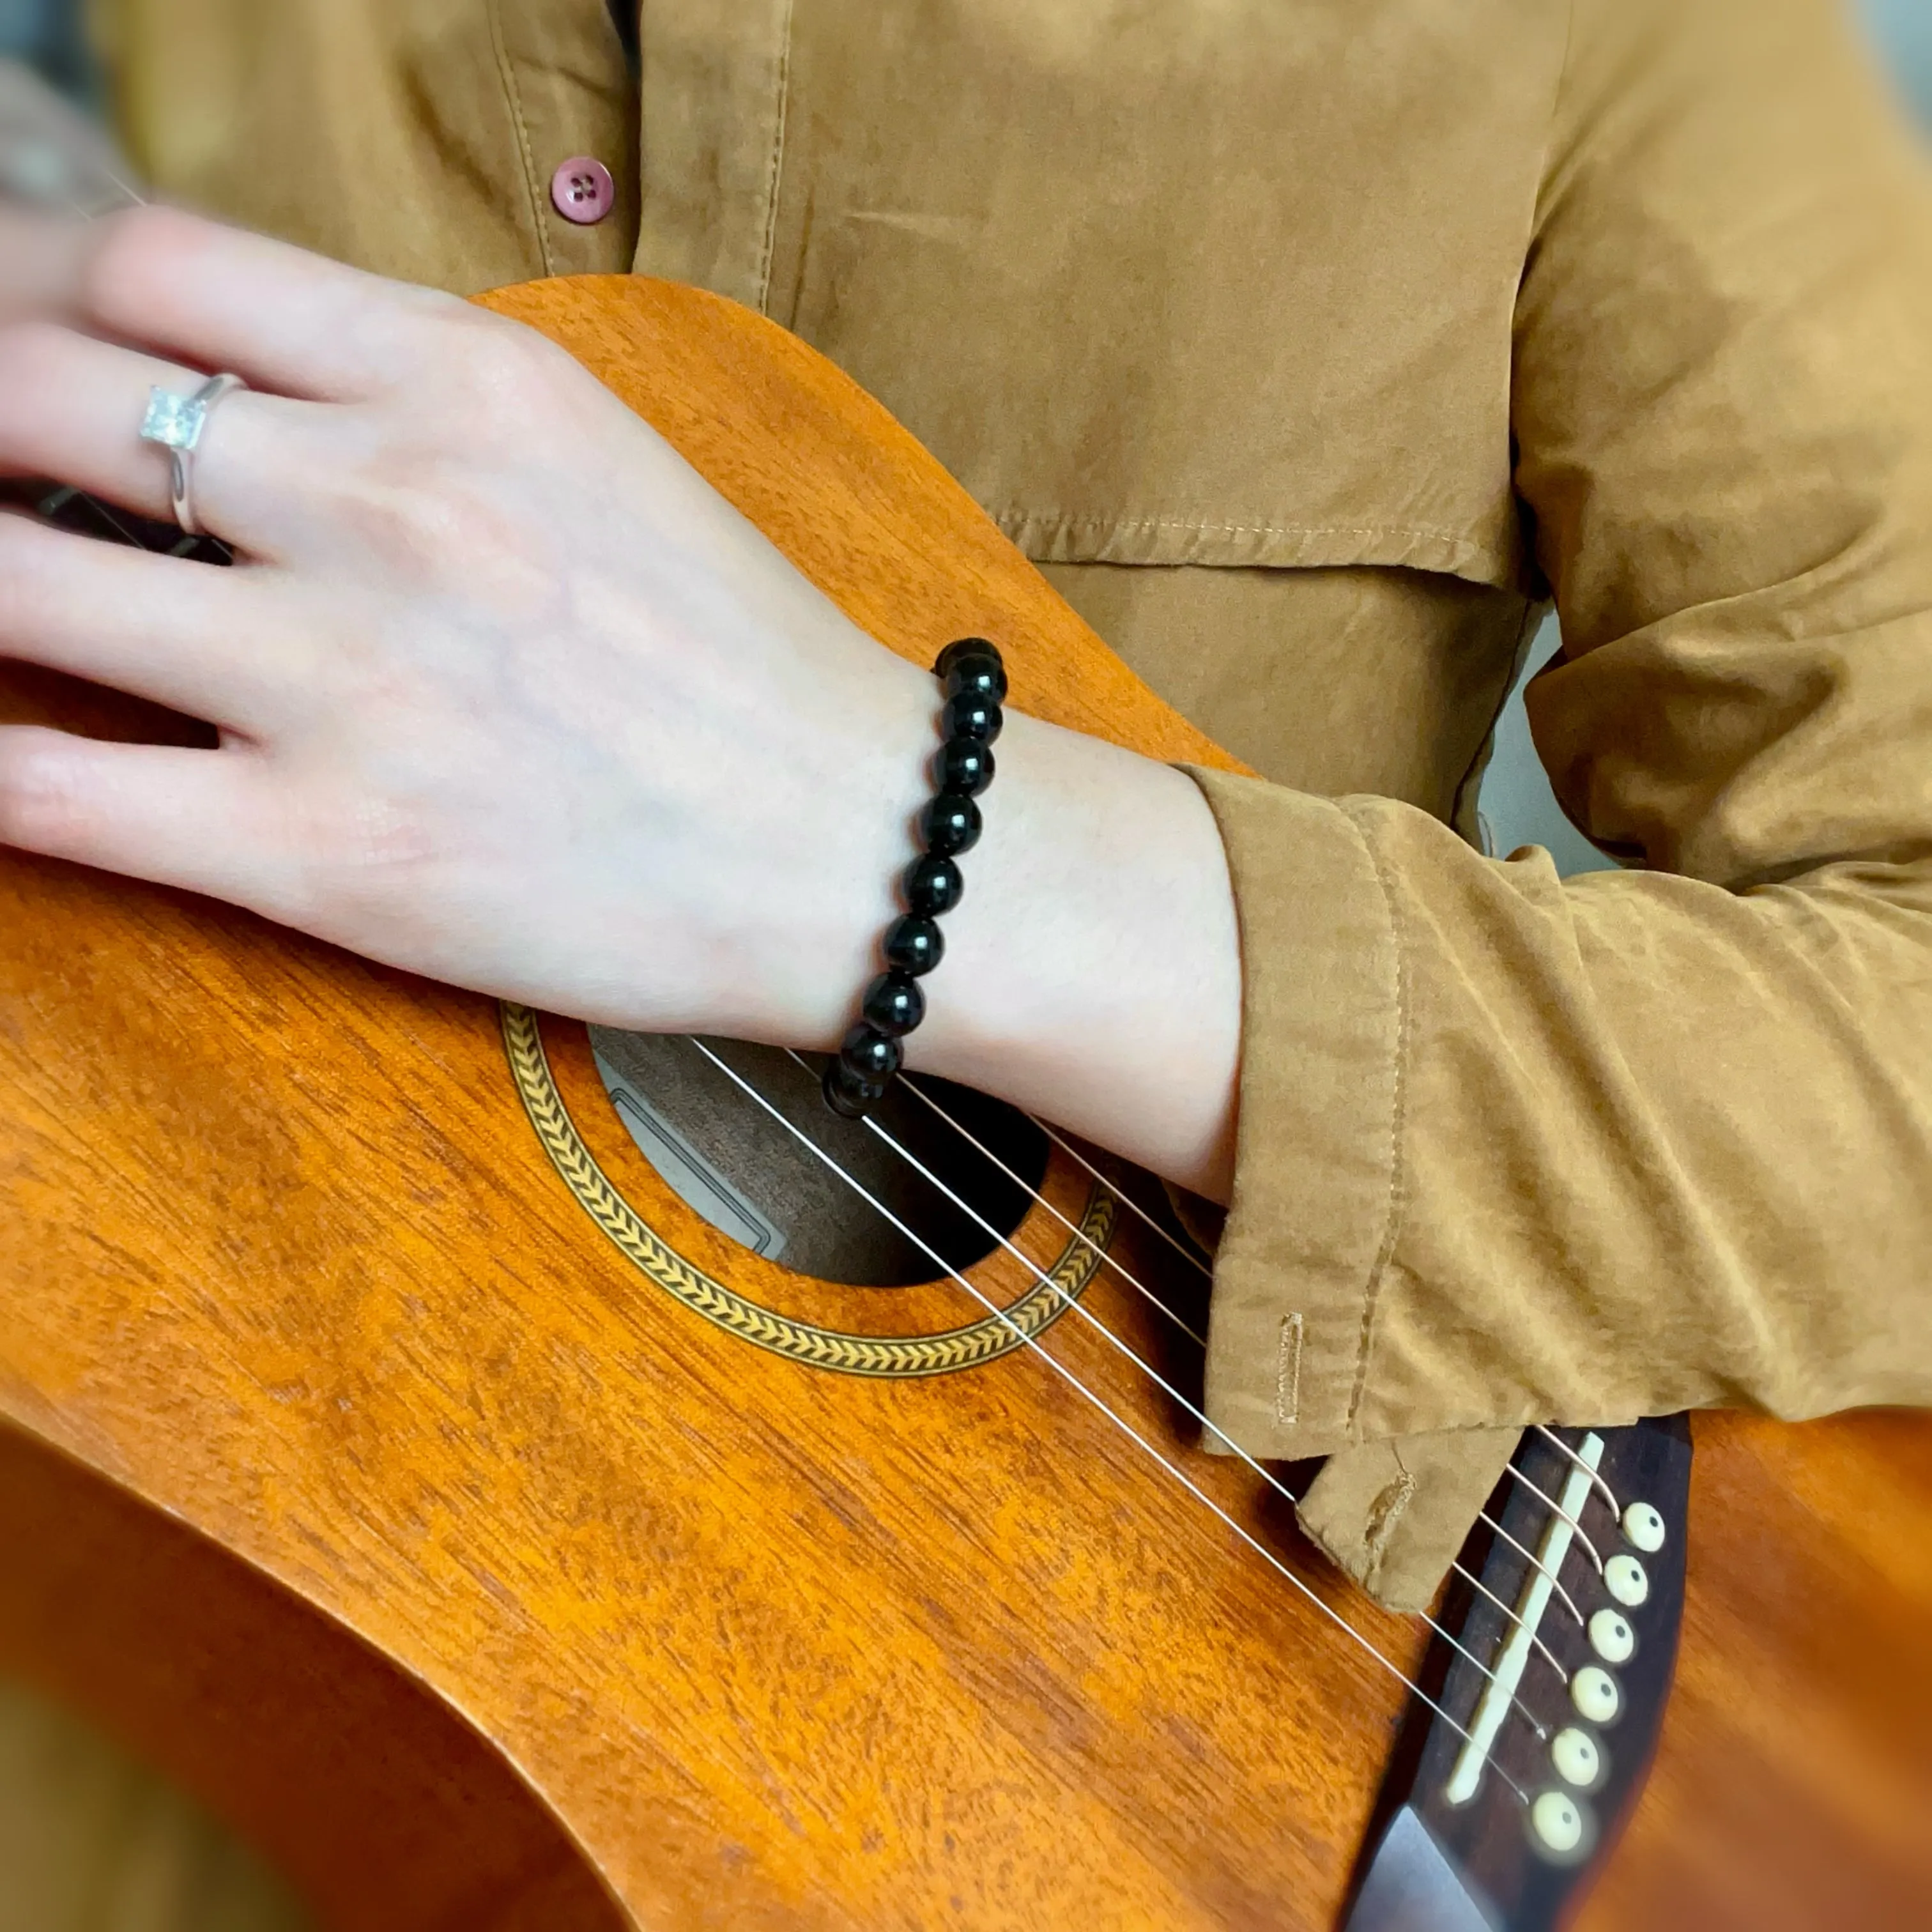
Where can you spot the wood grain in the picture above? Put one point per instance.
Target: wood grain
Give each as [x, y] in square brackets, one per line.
[288, 1279]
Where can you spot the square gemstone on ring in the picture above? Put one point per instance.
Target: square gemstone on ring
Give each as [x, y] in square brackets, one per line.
[173, 421]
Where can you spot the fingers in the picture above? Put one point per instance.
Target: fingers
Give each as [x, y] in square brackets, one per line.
[199, 820]
[71, 408]
[282, 318]
[200, 641]
[41, 258]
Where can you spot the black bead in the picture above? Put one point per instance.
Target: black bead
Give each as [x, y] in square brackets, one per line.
[972, 664]
[893, 1004]
[867, 1054]
[976, 677]
[963, 647]
[848, 1095]
[967, 716]
[963, 766]
[933, 885]
[913, 945]
[949, 824]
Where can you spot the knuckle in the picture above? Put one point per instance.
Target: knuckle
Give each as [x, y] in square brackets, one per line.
[421, 518]
[500, 368]
[363, 867]
[425, 514]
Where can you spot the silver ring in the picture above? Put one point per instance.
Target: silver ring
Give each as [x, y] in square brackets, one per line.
[176, 423]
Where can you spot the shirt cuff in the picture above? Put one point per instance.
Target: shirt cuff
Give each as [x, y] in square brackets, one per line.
[1316, 1204]
[1393, 1515]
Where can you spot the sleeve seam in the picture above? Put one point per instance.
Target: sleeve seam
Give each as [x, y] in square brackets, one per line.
[1397, 1199]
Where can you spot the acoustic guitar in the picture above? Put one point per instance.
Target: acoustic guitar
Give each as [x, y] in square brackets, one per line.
[526, 1477]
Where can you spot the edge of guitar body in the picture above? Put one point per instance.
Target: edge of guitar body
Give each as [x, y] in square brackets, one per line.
[383, 1808]
[847, 493]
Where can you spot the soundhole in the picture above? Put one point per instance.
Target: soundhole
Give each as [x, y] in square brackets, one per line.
[751, 1176]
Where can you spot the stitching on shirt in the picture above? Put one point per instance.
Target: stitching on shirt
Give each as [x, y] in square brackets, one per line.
[1398, 1121]
[1203, 526]
[507, 72]
[1384, 1514]
[1288, 1371]
[775, 176]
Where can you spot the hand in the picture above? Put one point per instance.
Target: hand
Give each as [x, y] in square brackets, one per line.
[509, 696]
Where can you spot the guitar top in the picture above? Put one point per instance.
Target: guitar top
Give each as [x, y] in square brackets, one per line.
[420, 1435]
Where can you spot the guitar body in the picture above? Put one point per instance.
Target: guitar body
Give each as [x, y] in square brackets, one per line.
[389, 1449]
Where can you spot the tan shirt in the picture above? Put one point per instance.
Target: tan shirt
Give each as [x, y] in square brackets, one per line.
[1307, 347]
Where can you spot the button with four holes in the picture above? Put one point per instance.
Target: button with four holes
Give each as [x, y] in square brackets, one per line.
[582, 191]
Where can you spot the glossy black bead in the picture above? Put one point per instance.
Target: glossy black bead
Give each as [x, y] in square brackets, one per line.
[867, 1054]
[893, 1004]
[913, 945]
[977, 677]
[972, 664]
[963, 766]
[949, 825]
[963, 647]
[846, 1094]
[968, 716]
[933, 885]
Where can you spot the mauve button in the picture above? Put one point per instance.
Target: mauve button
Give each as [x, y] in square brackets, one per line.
[582, 191]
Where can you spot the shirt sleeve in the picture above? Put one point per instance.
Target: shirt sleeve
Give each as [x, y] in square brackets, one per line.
[1514, 1148]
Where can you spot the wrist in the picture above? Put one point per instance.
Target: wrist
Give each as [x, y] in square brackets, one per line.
[1092, 972]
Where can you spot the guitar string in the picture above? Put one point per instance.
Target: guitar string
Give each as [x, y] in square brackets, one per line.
[1537, 1563]
[1528, 1629]
[1595, 1476]
[1483, 1516]
[1126, 1429]
[1079, 1233]
[1179, 1246]
[1557, 1509]
[1456, 1565]
[1147, 1369]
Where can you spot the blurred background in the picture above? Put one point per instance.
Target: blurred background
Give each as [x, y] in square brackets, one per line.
[47, 34]
[90, 1841]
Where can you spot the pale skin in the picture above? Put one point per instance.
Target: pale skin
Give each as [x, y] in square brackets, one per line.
[510, 696]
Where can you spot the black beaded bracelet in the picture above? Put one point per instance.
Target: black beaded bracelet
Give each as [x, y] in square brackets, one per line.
[974, 680]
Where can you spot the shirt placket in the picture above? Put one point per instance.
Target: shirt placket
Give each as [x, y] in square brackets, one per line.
[574, 104]
[714, 86]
